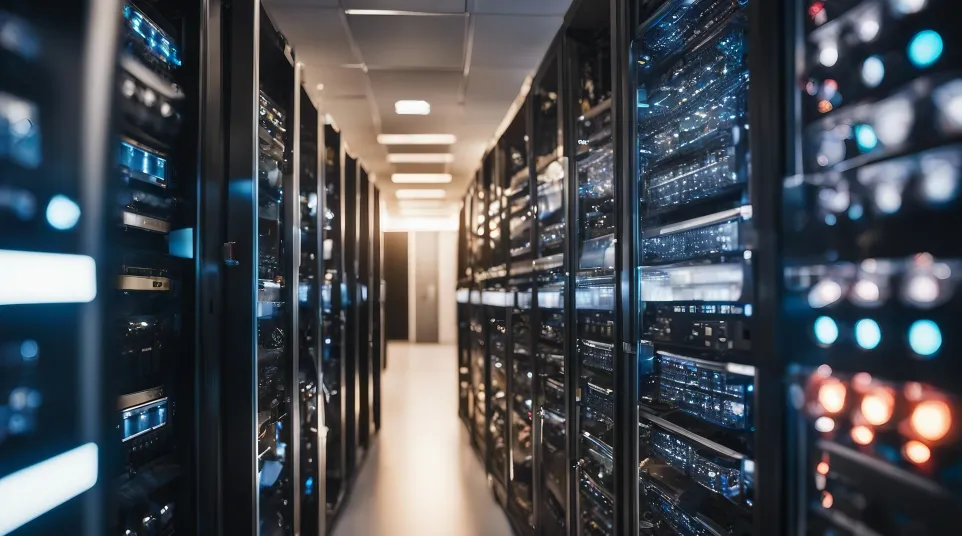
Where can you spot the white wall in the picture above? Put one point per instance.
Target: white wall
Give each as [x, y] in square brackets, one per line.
[447, 260]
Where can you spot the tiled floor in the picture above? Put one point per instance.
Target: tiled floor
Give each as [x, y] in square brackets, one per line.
[421, 477]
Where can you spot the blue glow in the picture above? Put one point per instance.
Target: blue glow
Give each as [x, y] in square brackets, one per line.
[751, 388]
[826, 330]
[867, 333]
[873, 71]
[925, 48]
[63, 213]
[309, 486]
[748, 310]
[830, 219]
[865, 137]
[855, 212]
[925, 337]
[29, 350]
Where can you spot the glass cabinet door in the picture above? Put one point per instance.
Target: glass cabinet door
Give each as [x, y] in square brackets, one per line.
[274, 329]
[694, 269]
[332, 330]
[594, 269]
[308, 298]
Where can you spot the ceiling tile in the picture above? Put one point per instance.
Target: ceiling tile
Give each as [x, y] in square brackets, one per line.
[406, 42]
[522, 7]
[425, 6]
[512, 42]
[501, 86]
[318, 35]
[339, 82]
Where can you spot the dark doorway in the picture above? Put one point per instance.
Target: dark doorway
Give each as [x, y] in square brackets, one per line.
[396, 281]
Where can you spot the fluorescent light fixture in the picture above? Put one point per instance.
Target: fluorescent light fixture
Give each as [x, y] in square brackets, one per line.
[439, 211]
[29, 493]
[29, 277]
[416, 139]
[420, 158]
[419, 194]
[394, 12]
[414, 178]
[412, 107]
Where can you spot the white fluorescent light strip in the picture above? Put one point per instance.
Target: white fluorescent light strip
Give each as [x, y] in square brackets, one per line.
[420, 158]
[412, 107]
[416, 139]
[395, 12]
[423, 178]
[420, 194]
[29, 277]
[29, 493]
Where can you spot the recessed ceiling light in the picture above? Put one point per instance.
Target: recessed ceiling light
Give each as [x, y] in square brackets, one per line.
[421, 194]
[320, 87]
[416, 139]
[412, 107]
[413, 178]
[420, 158]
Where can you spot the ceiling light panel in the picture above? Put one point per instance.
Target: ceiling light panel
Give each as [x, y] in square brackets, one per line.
[421, 178]
[416, 139]
[391, 13]
[420, 158]
[420, 194]
[412, 107]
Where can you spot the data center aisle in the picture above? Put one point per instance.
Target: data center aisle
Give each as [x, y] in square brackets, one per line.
[421, 477]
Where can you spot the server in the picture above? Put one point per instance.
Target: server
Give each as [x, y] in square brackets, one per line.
[870, 296]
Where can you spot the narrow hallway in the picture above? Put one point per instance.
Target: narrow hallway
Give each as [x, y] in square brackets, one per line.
[421, 477]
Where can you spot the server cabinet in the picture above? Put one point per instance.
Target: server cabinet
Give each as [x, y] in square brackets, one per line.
[870, 303]
[690, 260]
[334, 331]
[380, 350]
[167, 75]
[495, 300]
[365, 357]
[477, 396]
[260, 415]
[56, 456]
[349, 204]
[312, 500]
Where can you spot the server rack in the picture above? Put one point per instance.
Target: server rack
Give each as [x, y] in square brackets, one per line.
[349, 204]
[334, 299]
[54, 152]
[464, 313]
[312, 501]
[477, 399]
[168, 71]
[690, 191]
[365, 357]
[261, 454]
[869, 301]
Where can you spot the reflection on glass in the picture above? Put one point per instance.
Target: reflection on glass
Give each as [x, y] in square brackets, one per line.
[274, 397]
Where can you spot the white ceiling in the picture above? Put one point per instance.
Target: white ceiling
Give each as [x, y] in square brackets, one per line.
[467, 58]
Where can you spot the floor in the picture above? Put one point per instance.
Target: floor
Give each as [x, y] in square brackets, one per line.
[421, 478]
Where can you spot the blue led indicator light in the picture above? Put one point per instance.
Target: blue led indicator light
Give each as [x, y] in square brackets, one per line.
[62, 213]
[868, 335]
[826, 330]
[865, 137]
[925, 48]
[925, 337]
